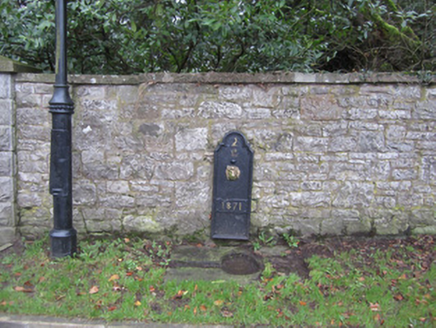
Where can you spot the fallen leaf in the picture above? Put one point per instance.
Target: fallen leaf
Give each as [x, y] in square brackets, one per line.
[302, 303]
[137, 303]
[93, 290]
[81, 293]
[111, 308]
[227, 314]
[374, 307]
[22, 289]
[361, 279]
[180, 294]
[399, 297]
[28, 284]
[17, 274]
[3, 303]
[203, 308]
[126, 240]
[402, 277]
[151, 289]
[117, 288]
[114, 277]
[41, 279]
[422, 319]
[187, 307]
[128, 274]
[218, 302]
[195, 310]
[139, 268]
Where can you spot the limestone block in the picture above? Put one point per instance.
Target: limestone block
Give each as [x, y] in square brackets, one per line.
[391, 223]
[257, 113]
[310, 144]
[411, 92]
[395, 114]
[116, 201]
[396, 132]
[7, 141]
[29, 199]
[118, 187]
[315, 199]
[342, 144]
[220, 129]
[404, 174]
[103, 226]
[32, 116]
[171, 114]
[360, 114]
[100, 171]
[371, 142]
[89, 92]
[425, 110]
[35, 132]
[335, 129]
[354, 195]
[152, 200]
[7, 214]
[84, 192]
[191, 139]
[261, 97]
[174, 171]
[210, 109]
[6, 86]
[193, 195]
[429, 168]
[8, 235]
[320, 107]
[6, 189]
[7, 163]
[141, 224]
[311, 185]
[232, 93]
[6, 112]
[305, 227]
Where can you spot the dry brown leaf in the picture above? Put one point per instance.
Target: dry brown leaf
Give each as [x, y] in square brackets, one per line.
[227, 314]
[93, 290]
[218, 302]
[375, 307]
[41, 279]
[302, 303]
[114, 277]
[203, 308]
[22, 289]
[399, 297]
[137, 303]
[112, 308]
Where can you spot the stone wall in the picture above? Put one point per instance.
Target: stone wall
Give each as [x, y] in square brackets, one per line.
[334, 154]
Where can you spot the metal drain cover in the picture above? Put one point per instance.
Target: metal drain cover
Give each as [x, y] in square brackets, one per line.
[240, 264]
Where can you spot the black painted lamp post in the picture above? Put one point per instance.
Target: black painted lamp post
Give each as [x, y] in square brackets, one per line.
[63, 235]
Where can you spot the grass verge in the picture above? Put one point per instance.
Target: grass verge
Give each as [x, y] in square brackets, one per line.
[123, 280]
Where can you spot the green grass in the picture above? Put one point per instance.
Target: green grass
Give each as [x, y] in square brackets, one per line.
[123, 280]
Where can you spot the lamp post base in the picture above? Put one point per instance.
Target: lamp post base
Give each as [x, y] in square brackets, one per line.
[63, 242]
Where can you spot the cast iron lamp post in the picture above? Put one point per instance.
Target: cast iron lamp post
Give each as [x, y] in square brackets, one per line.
[63, 235]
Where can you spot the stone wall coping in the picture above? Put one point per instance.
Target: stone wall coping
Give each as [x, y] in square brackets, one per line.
[11, 66]
[236, 78]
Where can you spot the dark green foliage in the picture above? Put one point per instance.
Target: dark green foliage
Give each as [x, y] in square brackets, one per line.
[125, 37]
